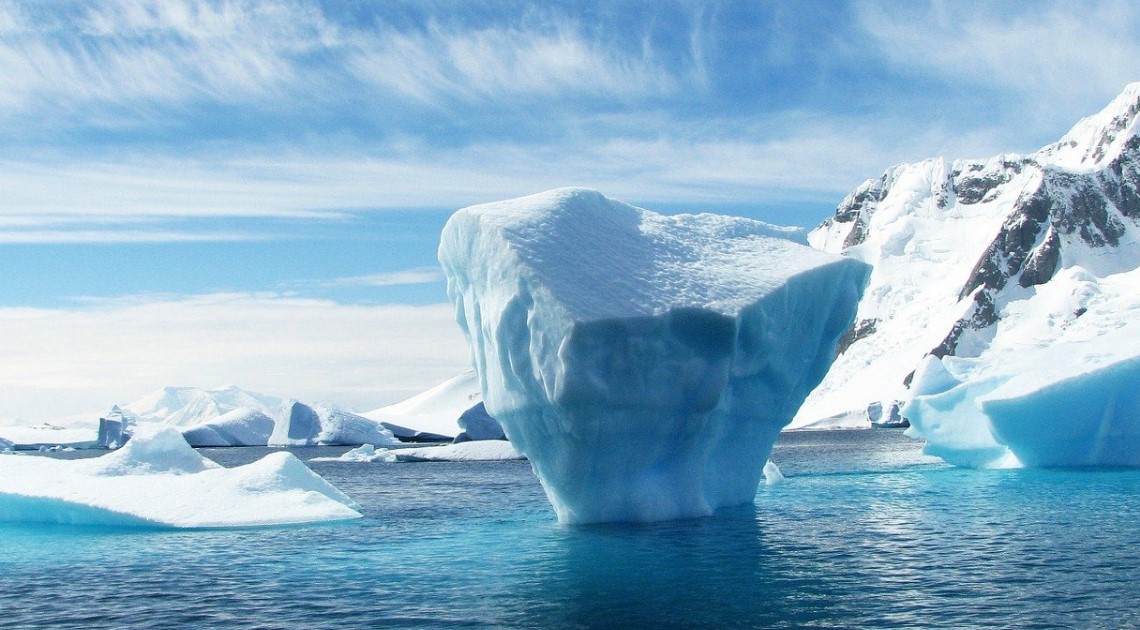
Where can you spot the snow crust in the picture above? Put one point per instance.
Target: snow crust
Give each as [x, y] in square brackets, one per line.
[643, 363]
[158, 480]
[1058, 387]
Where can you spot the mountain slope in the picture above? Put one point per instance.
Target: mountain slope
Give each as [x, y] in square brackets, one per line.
[957, 247]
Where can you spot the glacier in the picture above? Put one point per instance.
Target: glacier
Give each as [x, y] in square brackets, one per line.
[645, 364]
[158, 480]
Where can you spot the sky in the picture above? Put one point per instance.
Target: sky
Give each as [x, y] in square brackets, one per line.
[249, 192]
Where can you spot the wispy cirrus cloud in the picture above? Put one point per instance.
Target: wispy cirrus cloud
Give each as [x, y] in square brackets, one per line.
[120, 51]
[66, 236]
[403, 277]
[550, 59]
[1056, 60]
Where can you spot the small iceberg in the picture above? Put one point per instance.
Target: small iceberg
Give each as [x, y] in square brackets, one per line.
[363, 454]
[772, 474]
[158, 480]
[474, 451]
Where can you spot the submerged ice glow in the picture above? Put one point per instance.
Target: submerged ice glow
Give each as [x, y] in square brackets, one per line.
[644, 364]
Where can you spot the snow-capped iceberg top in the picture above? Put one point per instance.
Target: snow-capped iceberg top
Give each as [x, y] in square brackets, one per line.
[713, 262]
[1097, 139]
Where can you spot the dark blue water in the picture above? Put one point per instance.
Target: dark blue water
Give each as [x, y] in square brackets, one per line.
[865, 532]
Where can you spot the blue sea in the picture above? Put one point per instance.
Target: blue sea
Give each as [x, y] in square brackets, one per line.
[865, 532]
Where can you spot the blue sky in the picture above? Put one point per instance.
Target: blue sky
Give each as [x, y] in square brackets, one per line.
[282, 168]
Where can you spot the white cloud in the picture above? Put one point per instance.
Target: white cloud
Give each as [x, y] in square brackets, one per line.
[152, 50]
[41, 237]
[418, 275]
[550, 60]
[62, 362]
[1059, 60]
[777, 159]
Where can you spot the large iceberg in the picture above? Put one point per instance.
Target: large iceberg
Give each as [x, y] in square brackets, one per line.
[158, 480]
[643, 363]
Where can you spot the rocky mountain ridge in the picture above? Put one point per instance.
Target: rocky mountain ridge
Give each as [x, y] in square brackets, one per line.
[954, 243]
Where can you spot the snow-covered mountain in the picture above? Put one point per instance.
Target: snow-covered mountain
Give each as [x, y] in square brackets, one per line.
[961, 249]
[189, 406]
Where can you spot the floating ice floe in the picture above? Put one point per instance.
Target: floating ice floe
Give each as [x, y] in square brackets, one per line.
[474, 451]
[365, 453]
[772, 474]
[158, 480]
[645, 364]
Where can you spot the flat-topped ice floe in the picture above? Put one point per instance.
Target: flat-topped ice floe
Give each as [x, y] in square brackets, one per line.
[473, 451]
[644, 364]
[158, 480]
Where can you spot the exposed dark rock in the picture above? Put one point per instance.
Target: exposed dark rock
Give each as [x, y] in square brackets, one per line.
[1042, 264]
[973, 183]
[982, 315]
[859, 330]
[1011, 247]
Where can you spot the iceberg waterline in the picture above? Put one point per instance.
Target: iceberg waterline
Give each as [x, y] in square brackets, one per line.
[158, 480]
[644, 364]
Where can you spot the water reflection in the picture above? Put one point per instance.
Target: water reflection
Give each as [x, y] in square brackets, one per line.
[710, 572]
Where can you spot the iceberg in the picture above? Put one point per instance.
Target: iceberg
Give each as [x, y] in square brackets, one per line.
[1059, 393]
[645, 364]
[365, 453]
[472, 451]
[305, 425]
[158, 480]
[477, 424]
[442, 413]
[116, 428]
[240, 427]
